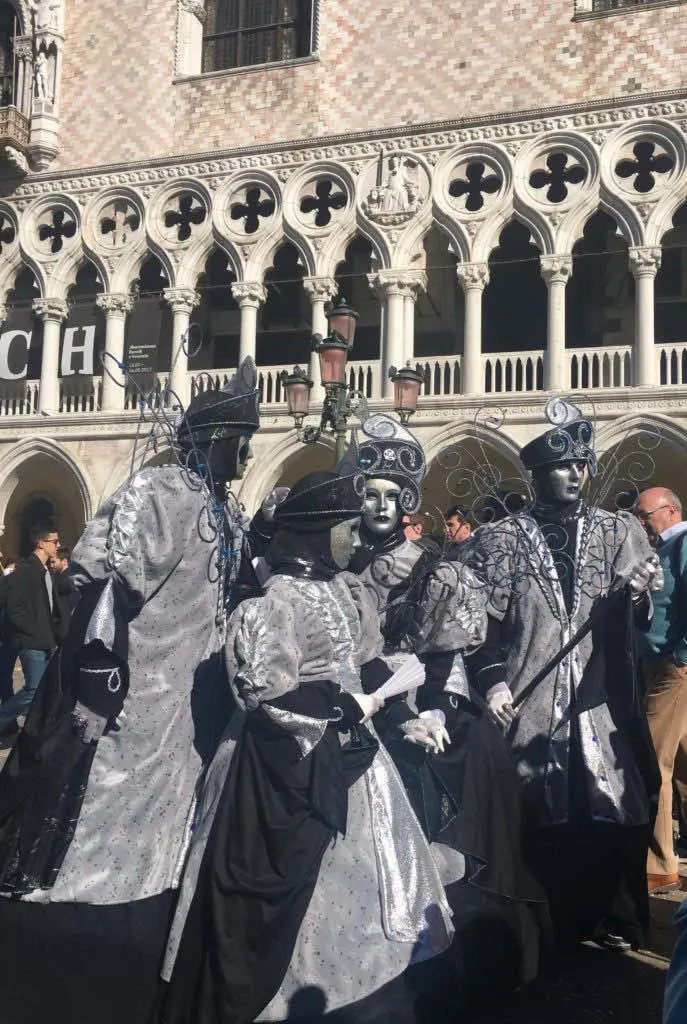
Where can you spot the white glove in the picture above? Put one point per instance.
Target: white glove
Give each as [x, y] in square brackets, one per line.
[646, 575]
[369, 704]
[500, 706]
[273, 500]
[428, 731]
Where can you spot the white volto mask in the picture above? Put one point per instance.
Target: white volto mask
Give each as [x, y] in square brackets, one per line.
[344, 538]
[381, 513]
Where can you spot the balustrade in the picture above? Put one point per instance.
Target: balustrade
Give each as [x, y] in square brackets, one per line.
[586, 369]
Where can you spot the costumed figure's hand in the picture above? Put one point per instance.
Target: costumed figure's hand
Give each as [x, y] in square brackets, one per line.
[272, 502]
[369, 705]
[646, 575]
[500, 706]
[103, 682]
[428, 731]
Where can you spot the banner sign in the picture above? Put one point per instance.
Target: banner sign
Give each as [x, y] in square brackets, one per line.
[82, 342]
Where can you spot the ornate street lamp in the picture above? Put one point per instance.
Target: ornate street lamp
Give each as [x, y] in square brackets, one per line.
[340, 401]
[407, 384]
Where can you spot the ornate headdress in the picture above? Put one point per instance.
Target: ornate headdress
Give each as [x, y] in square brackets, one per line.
[230, 412]
[570, 439]
[389, 451]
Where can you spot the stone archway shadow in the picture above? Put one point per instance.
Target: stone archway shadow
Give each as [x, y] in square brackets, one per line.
[36, 475]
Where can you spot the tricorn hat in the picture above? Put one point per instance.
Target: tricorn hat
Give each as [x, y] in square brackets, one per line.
[389, 451]
[320, 500]
[570, 439]
[230, 412]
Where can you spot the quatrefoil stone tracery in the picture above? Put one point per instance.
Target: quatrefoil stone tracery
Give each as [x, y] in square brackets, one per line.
[56, 228]
[645, 167]
[118, 221]
[318, 204]
[7, 231]
[184, 213]
[561, 172]
[475, 182]
[255, 206]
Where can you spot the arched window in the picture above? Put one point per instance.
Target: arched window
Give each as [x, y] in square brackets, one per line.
[9, 29]
[243, 33]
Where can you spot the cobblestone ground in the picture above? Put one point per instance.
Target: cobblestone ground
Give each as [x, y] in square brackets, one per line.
[589, 986]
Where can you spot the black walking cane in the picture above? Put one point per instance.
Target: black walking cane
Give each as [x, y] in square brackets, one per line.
[598, 613]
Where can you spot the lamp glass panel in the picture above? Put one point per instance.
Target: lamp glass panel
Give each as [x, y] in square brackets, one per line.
[333, 364]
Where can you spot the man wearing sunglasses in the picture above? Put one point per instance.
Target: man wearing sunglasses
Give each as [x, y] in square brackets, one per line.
[664, 649]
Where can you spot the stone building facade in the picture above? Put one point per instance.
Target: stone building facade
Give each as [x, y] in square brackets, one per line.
[500, 190]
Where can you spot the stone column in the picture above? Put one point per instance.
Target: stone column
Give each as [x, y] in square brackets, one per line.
[182, 302]
[473, 278]
[23, 88]
[392, 289]
[116, 306]
[556, 271]
[250, 296]
[416, 283]
[53, 313]
[644, 263]
[320, 290]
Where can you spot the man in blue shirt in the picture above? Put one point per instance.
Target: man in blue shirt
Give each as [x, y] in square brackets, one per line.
[664, 650]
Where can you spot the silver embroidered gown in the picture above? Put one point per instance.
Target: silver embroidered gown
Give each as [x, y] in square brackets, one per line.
[155, 536]
[378, 903]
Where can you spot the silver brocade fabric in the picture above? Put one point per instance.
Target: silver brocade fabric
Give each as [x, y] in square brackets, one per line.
[154, 535]
[378, 904]
[449, 611]
[526, 595]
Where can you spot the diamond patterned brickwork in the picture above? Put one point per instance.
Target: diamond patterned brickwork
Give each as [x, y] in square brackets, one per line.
[390, 63]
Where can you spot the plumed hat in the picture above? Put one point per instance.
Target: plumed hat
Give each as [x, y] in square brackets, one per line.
[386, 449]
[229, 412]
[570, 439]
[320, 500]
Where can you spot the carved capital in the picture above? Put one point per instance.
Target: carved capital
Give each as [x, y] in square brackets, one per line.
[51, 309]
[182, 300]
[249, 293]
[115, 303]
[645, 260]
[323, 288]
[388, 283]
[473, 275]
[556, 269]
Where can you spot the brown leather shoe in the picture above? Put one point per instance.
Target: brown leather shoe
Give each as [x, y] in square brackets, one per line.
[656, 882]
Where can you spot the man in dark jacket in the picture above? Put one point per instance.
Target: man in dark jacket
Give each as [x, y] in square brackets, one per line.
[30, 621]
[64, 588]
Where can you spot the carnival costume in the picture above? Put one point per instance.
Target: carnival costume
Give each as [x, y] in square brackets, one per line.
[316, 886]
[574, 718]
[97, 798]
[466, 796]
